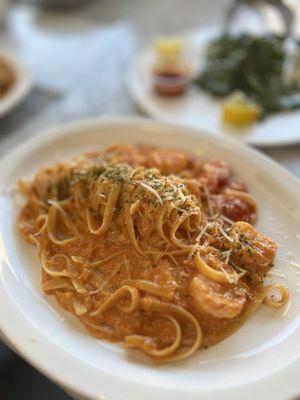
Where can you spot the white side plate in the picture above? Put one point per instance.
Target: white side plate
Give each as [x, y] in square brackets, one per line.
[197, 108]
[263, 355]
[21, 87]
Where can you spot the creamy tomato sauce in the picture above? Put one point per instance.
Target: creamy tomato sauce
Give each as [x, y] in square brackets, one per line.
[153, 247]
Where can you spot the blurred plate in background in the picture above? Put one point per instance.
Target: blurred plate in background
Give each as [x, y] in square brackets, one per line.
[199, 110]
[20, 88]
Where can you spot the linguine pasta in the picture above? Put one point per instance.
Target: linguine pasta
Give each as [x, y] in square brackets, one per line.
[151, 247]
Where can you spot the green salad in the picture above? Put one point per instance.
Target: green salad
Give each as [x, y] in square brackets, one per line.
[254, 65]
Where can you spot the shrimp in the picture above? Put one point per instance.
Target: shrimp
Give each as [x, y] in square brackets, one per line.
[126, 153]
[218, 300]
[213, 174]
[252, 250]
[168, 161]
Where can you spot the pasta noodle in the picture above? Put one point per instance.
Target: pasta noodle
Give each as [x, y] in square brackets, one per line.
[151, 247]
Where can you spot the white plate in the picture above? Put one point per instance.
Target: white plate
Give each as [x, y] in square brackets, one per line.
[197, 108]
[21, 87]
[263, 355]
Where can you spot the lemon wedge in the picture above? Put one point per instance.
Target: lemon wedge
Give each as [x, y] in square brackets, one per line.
[239, 110]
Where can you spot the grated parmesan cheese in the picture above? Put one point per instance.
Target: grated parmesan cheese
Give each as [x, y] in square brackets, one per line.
[277, 274]
[57, 205]
[293, 264]
[206, 191]
[229, 277]
[202, 232]
[181, 195]
[287, 309]
[227, 257]
[226, 236]
[192, 252]
[226, 219]
[153, 191]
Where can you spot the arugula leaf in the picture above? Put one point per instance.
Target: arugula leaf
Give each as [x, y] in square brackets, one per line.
[252, 64]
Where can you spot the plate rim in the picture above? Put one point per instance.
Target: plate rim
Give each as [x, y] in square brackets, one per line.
[72, 382]
[138, 98]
